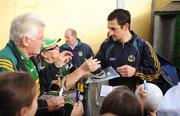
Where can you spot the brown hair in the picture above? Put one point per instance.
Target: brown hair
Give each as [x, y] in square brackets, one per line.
[17, 89]
[121, 102]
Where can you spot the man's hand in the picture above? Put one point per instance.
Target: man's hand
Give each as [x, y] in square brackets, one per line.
[63, 58]
[141, 93]
[90, 65]
[152, 113]
[55, 103]
[126, 71]
[77, 109]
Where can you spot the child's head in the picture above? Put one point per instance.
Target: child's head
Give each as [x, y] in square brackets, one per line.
[18, 94]
[121, 101]
[170, 105]
[153, 98]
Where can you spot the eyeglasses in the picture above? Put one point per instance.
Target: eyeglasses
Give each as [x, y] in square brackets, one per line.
[53, 48]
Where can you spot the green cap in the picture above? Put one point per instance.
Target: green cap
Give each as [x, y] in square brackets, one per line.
[49, 43]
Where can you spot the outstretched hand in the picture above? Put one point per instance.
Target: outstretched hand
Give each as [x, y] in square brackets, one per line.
[90, 65]
[63, 58]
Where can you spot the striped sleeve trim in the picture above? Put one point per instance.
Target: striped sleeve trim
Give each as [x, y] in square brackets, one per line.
[5, 60]
[38, 85]
[156, 64]
[4, 63]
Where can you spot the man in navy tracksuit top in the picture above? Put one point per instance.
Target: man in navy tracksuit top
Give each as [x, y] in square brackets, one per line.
[132, 57]
[81, 51]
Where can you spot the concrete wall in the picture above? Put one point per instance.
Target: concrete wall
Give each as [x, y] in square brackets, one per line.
[161, 3]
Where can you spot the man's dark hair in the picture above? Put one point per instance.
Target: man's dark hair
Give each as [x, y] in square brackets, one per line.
[122, 16]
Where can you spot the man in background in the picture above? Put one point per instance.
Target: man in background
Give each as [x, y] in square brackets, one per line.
[80, 50]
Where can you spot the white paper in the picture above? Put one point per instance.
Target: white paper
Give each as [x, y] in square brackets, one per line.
[105, 90]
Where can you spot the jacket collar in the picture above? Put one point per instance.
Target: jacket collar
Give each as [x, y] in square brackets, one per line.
[134, 37]
[66, 46]
[16, 52]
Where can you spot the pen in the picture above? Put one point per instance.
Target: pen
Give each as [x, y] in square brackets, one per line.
[61, 91]
[145, 86]
[77, 95]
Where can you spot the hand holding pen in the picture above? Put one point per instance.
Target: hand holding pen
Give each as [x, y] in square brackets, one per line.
[77, 109]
